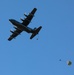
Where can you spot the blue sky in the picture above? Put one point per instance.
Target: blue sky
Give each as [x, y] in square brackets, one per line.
[23, 56]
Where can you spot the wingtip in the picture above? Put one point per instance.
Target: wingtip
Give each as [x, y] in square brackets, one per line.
[9, 39]
[35, 8]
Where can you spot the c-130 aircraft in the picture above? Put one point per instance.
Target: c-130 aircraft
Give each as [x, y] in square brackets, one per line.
[19, 27]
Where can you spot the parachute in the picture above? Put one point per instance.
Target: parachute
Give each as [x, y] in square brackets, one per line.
[69, 63]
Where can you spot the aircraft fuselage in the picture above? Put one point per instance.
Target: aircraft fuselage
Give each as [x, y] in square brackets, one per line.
[21, 26]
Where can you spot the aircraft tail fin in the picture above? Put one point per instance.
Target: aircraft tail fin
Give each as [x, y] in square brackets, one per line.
[36, 32]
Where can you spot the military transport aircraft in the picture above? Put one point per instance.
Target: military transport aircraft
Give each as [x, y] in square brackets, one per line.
[19, 27]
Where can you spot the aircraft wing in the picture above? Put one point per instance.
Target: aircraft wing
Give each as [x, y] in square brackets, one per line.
[14, 34]
[29, 17]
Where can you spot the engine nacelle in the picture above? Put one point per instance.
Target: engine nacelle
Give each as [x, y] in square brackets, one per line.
[25, 14]
[35, 28]
[15, 27]
[21, 19]
[11, 31]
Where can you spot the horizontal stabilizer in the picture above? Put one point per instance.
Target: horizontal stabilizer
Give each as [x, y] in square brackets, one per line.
[36, 32]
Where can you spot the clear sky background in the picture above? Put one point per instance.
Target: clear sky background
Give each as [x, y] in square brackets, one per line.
[23, 56]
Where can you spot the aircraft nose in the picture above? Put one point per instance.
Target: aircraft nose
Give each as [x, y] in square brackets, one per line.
[10, 20]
